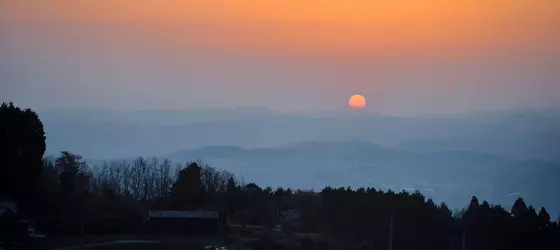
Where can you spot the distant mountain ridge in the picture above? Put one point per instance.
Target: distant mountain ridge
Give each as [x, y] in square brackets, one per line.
[511, 134]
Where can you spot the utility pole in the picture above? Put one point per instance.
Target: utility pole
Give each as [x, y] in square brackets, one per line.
[391, 233]
[464, 238]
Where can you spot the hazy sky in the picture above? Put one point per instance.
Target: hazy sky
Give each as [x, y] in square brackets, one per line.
[405, 56]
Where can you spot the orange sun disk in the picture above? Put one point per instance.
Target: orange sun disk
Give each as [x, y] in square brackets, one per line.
[357, 102]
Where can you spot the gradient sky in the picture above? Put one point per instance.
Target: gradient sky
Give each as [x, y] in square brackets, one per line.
[405, 56]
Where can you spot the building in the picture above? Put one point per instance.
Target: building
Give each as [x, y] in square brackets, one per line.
[9, 214]
[5, 206]
[13, 226]
[205, 222]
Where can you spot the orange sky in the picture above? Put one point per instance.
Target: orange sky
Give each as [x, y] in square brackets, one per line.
[329, 26]
[406, 56]
[405, 11]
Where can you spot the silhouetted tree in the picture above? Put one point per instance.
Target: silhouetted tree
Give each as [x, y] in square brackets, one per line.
[186, 191]
[544, 218]
[22, 145]
[519, 207]
[232, 196]
[70, 174]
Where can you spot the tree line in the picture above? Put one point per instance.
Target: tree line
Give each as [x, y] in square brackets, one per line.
[66, 195]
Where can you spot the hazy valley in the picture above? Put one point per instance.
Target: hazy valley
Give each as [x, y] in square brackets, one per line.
[497, 156]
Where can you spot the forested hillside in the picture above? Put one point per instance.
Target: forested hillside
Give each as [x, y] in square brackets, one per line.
[67, 196]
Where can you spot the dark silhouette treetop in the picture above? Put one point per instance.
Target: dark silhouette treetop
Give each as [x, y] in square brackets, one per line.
[22, 145]
[519, 207]
[252, 187]
[531, 211]
[68, 165]
[485, 205]
[544, 217]
[187, 190]
[474, 203]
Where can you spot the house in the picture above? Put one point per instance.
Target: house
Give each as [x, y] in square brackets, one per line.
[12, 227]
[8, 206]
[9, 217]
[206, 222]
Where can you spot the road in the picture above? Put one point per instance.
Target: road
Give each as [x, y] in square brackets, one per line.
[166, 244]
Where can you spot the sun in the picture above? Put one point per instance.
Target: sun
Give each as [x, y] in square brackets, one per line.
[357, 102]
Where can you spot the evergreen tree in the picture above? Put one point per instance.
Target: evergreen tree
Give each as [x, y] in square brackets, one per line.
[519, 207]
[22, 145]
[186, 192]
[544, 218]
[69, 168]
